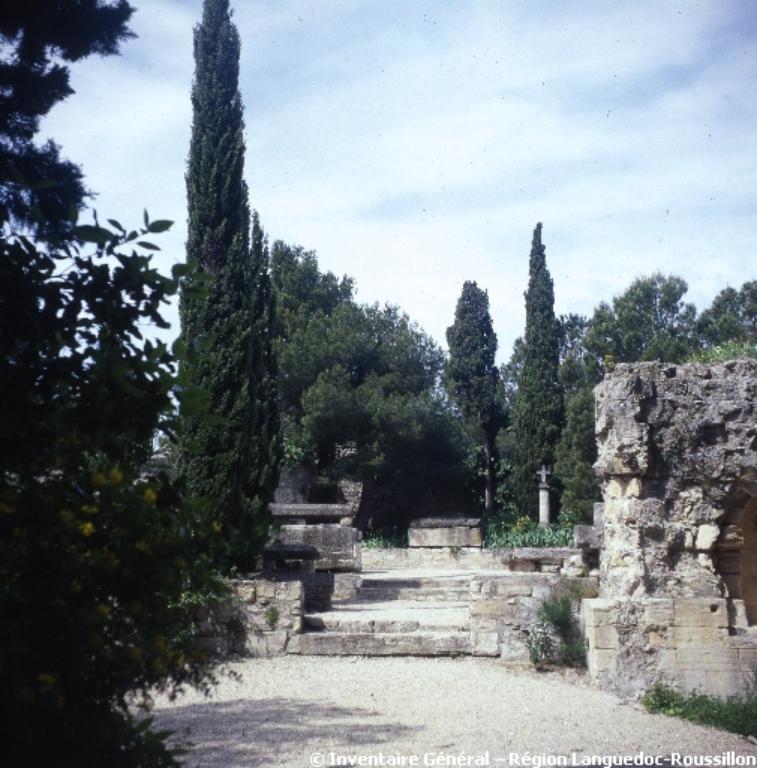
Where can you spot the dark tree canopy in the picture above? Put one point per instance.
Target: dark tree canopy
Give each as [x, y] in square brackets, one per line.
[575, 456]
[366, 375]
[538, 411]
[226, 305]
[472, 376]
[38, 39]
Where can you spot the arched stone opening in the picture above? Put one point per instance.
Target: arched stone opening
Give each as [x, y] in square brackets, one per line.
[736, 549]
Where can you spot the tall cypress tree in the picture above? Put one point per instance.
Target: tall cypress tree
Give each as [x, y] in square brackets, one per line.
[473, 377]
[229, 453]
[538, 410]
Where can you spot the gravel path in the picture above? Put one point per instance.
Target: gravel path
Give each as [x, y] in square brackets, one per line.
[296, 712]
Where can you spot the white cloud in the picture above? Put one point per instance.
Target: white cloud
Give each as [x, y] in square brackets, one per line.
[415, 145]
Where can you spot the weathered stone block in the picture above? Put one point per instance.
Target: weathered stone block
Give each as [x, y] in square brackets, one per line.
[707, 535]
[266, 644]
[337, 546]
[485, 643]
[453, 536]
[701, 612]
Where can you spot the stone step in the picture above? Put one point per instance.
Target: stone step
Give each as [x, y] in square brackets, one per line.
[392, 617]
[369, 596]
[381, 644]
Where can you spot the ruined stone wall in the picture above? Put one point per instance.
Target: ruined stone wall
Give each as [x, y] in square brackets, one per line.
[259, 619]
[504, 606]
[678, 464]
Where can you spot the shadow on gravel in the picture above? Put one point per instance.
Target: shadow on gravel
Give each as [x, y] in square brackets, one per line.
[247, 733]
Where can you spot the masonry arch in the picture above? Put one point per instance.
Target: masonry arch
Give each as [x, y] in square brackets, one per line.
[736, 548]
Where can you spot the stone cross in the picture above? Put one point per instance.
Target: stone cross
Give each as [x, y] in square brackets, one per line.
[542, 474]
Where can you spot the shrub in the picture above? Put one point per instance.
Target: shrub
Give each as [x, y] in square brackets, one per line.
[100, 566]
[555, 636]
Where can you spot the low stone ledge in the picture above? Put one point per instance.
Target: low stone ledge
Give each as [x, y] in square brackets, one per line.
[315, 513]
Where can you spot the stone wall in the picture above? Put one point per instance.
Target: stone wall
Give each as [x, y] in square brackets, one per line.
[565, 560]
[504, 606]
[259, 619]
[678, 467]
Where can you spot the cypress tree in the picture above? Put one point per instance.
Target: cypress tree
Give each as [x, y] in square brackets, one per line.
[538, 410]
[575, 455]
[229, 452]
[473, 377]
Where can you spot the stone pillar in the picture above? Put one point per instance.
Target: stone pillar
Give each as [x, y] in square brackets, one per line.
[542, 474]
[544, 505]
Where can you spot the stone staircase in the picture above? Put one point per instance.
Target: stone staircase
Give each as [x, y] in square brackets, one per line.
[395, 613]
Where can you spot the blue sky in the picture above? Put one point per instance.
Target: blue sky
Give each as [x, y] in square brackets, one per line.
[414, 145]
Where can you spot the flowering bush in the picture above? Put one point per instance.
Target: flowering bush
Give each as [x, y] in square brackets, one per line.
[94, 556]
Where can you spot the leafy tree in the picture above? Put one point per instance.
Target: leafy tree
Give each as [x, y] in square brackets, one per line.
[38, 40]
[575, 455]
[95, 557]
[226, 310]
[731, 317]
[369, 376]
[649, 321]
[538, 411]
[472, 376]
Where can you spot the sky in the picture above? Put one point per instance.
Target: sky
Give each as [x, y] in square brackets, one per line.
[414, 145]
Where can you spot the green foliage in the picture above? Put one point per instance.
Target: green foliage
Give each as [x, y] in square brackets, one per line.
[272, 617]
[503, 532]
[384, 540]
[728, 350]
[575, 455]
[649, 321]
[557, 610]
[365, 375]
[97, 560]
[538, 410]
[555, 636]
[39, 191]
[738, 715]
[540, 644]
[227, 312]
[732, 317]
[473, 378]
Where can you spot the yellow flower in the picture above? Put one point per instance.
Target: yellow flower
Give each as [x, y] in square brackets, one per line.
[216, 526]
[66, 515]
[142, 546]
[86, 529]
[46, 680]
[116, 475]
[89, 509]
[150, 496]
[102, 609]
[98, 479]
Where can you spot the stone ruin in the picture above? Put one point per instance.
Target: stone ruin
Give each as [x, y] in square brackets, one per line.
[668, 571]
[678, 531]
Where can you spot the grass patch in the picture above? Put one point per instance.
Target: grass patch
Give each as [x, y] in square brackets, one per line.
[738, 715]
